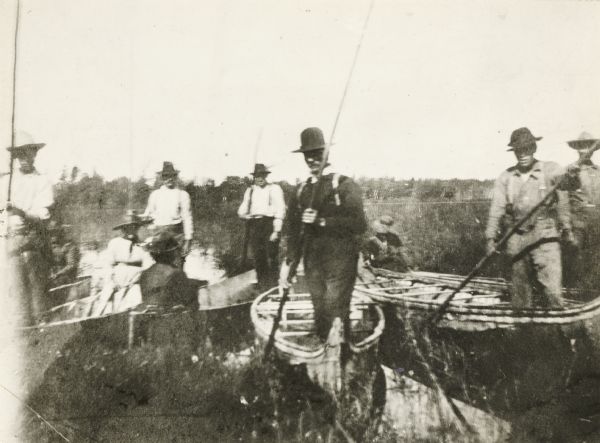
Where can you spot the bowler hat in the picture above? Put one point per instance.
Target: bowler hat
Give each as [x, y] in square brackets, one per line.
[521, 137]
[24, 142]
[260, 169]
[162, 242]
[168, 170]
[311, 139]
[585, 140]
[131, 218]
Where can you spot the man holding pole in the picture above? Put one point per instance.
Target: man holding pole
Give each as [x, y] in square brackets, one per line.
[263, 208]
[534, 248]
[26, 216]
[332, 224]
[582, 259]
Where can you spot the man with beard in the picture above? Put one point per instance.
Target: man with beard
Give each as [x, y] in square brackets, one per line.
[534, 249]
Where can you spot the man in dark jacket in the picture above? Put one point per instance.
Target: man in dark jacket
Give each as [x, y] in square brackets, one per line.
[333, 224]
[385, 249]
[163, 284]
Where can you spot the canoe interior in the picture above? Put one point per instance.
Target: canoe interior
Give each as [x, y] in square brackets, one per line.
[295, 338]
[506, 370]
[235, 291]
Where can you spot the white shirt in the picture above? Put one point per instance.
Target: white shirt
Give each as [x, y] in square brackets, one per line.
[171, 207]
[30, 192]
[266, 202]
[120, 250]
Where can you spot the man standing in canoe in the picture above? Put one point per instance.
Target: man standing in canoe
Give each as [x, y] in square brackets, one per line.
[582, 260]
[333, 226]
[26, 217]
[534, 249]
[170, 210]
[263, 208]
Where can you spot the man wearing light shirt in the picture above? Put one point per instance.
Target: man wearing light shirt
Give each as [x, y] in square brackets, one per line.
[25, 219]
[170, 209]
[264, 208]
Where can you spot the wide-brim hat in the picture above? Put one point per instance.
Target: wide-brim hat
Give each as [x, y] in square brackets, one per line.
[168, 170]
[521, 137]
[131, 218]
[161, 243]
[311, 139]
[24, 142]
[260, 169]
[386, 220]
[380, 228]
[585, 140]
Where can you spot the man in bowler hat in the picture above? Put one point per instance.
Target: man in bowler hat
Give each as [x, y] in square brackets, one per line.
[25, 219]
[333, 226]
[534, 249]
[263, 207]
[169, 208]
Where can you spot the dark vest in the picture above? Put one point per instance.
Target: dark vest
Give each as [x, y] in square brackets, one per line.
[166, 285]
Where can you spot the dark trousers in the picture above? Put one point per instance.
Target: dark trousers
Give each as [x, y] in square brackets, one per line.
[29, 275]
[330, 266]
[265, 252]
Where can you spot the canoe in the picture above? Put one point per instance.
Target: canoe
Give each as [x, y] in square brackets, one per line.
[297, 344]
[483, 350]
[222, 315]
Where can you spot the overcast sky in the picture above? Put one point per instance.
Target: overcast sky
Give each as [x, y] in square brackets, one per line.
[121, 85]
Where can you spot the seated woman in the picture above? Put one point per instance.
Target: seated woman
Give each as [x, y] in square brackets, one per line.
[164, 284]
[125, 259]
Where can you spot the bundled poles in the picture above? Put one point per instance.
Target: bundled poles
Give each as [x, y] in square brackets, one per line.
[437, 316]
[296, 260]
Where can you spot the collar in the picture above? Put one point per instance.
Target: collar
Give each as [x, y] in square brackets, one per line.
[589, 165]
[534, 172]
[168, 189]
[312, 179]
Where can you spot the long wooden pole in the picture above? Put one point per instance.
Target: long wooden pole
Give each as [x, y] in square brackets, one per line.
[14, 101]
[296, 260]
[436, 317]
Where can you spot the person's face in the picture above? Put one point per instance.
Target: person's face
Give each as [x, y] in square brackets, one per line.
[26, 161]
[313, 160]
[129, 231]
[524, 155]
[585, 153]
[169, 181]
[260, 180]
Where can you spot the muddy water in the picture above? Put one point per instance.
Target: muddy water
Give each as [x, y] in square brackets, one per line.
[416, 412]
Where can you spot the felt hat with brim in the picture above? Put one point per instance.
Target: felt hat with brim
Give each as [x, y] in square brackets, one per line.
[386, 220]
[585, 140]
[131, 218]
[380, 228]
[161, 243]
[311, 139]
[168, 170]
[260, 169]
[23, 143]
[521, 137]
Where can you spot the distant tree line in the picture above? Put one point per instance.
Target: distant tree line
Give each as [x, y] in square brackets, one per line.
[93, 191]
